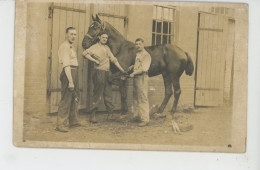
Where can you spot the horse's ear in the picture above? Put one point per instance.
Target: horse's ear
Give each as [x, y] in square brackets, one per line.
[98, 19]
[93, 18]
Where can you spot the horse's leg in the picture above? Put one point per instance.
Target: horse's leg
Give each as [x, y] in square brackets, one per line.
[177, 93]
[168, 92]
[123, 94]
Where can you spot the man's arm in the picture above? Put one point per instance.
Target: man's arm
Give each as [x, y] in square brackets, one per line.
[119, 67]
[144, 67]
[64, 53]
[136, 72]
[113, 59]
[88, 55]
[68, 74]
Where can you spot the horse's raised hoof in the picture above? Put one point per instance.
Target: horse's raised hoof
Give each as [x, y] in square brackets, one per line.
[159, 115]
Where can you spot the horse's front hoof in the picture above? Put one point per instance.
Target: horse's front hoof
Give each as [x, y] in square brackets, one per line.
[172, 111]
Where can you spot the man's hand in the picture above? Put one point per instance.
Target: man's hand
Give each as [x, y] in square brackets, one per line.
[131, 75]
[123, 71]
[71, 86]
[97, 62]
[131, 67]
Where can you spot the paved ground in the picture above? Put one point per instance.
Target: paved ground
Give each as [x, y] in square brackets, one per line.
[211, 127]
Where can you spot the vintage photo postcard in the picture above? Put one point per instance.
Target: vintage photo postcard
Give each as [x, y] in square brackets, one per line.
[134, 75]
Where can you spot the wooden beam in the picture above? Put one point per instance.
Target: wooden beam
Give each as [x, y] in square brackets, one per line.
[67, 9]
[59, 90]
[111, 15]
[208, 89]
[210, 29]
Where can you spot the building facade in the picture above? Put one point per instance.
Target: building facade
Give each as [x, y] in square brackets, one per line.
[206, 34]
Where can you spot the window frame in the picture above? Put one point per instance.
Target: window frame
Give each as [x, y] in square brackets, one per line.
[170, 21]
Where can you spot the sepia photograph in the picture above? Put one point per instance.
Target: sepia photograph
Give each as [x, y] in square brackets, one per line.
[131, 75]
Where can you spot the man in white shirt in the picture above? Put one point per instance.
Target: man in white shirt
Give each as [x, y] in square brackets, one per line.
[101, 55]
[68, 107]
[140, 74]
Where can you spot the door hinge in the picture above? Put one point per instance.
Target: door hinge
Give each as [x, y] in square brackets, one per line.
[50, 12]
[125, 21]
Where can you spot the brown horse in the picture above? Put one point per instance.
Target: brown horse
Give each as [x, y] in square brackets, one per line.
[168, 60]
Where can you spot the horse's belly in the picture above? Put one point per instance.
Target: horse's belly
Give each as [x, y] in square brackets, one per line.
[154, 70]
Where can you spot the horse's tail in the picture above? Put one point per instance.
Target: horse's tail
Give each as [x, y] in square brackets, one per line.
[189, 67]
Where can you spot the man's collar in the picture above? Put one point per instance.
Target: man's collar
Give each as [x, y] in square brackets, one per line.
[101, 44]
[69, 44]
[141, 51]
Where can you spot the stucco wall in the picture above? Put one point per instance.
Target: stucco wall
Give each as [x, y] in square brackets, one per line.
[140, 23]
[187, 40]
[36, 58]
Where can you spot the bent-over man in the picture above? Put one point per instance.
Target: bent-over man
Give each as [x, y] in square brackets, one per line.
[101, 55]
[140, 74]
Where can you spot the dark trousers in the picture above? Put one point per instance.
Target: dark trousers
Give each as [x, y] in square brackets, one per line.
[68, 106]
[102, 87]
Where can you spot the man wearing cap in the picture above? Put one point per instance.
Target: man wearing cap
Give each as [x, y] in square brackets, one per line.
[101, 55]
[68, 107]
[140, 74]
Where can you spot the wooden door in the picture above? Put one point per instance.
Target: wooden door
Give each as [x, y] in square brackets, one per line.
[211, 56]
[62, 16]
[114, 14]
[229, 62]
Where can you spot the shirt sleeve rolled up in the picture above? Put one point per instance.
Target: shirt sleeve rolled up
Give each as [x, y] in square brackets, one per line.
[90, 50]
[146, 62]
[64, 56]
[112, 58]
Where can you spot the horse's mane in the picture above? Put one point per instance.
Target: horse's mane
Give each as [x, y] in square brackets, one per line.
[111, 26]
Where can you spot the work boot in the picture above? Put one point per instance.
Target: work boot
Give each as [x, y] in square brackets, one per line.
[142, 124]
[76, 124]
[135, 119]
[62, 129]
[110, 113]
[92, 118]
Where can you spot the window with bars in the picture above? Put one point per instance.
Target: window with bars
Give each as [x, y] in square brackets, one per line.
[163, 25]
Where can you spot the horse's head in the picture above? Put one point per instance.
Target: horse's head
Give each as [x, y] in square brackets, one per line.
[115, 41]
[94, 29]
